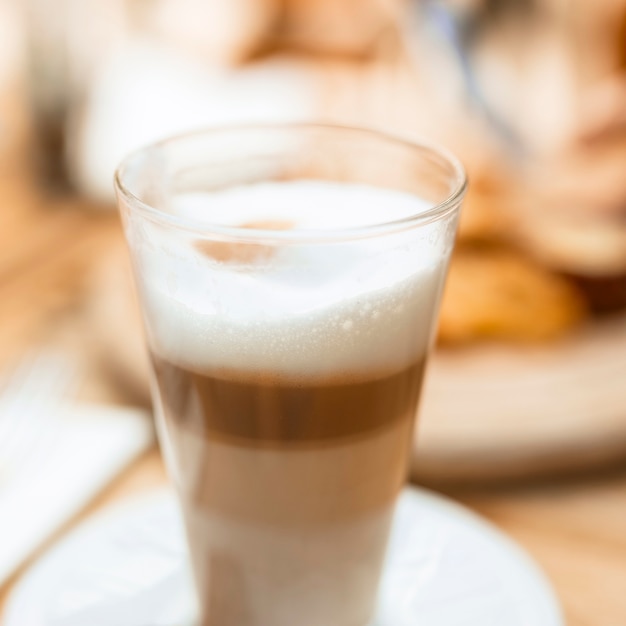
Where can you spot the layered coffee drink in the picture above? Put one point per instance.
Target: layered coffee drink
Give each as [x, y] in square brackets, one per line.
[287, 380]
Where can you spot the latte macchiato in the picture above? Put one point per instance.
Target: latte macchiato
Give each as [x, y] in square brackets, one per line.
[287, 379]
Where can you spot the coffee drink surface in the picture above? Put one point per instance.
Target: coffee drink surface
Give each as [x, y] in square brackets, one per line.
[287, 384]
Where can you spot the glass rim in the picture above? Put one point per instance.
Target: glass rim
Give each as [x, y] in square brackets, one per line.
[223, 232]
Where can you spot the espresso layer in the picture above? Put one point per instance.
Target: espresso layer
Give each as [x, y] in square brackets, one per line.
[265, 409]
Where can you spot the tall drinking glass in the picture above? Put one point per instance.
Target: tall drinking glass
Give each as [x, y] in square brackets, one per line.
[289, 278]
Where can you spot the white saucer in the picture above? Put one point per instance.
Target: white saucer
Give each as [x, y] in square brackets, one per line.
[127, 567]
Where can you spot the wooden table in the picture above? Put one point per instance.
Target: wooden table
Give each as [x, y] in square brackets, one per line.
[575, 528]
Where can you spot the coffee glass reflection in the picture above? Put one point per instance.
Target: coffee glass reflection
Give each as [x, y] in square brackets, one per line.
[289, 278]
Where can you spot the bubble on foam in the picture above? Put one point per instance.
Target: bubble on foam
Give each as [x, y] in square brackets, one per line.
[316, 310]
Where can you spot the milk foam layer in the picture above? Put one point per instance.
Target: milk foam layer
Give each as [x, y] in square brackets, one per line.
[316, 310]
[312, 205]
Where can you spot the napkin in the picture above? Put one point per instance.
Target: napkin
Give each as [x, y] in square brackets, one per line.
[84, 448]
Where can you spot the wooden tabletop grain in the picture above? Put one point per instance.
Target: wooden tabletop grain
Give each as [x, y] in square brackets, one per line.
[574, 527]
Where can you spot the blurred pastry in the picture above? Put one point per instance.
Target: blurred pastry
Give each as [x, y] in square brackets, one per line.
[494, 293]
